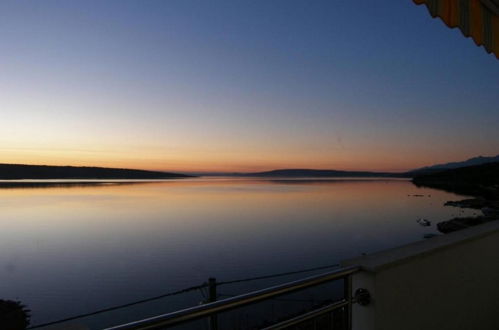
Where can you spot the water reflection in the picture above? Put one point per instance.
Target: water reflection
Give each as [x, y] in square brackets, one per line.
[72, 250]
[31, 185]
[74, 183]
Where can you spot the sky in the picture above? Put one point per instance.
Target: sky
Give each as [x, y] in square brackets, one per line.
[232, 85]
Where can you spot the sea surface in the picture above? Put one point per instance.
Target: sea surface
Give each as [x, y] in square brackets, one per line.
[67, 249]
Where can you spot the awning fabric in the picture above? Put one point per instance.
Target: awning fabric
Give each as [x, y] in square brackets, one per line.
[478, 19]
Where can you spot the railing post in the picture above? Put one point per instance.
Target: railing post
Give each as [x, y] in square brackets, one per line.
[214, 308]
[348, 297]
[212, 296]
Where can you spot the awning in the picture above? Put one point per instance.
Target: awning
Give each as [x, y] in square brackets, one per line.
[478, 19]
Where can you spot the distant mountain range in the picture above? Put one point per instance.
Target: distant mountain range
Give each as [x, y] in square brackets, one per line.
[19, 171]
[447, 166]
[297, 173]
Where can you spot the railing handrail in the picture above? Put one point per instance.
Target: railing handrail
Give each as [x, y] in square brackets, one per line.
[193, 313]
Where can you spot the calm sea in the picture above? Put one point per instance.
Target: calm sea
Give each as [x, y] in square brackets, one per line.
[66, 250]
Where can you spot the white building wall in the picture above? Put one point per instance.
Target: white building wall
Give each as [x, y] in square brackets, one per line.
[446, 282]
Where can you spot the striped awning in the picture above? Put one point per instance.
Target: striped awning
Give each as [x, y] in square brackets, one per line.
[478, 19]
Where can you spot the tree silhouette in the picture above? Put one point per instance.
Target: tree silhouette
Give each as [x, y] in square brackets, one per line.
[14, 315]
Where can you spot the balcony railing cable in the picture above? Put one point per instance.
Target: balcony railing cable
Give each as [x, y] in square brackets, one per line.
[212, 309]
[181, 291]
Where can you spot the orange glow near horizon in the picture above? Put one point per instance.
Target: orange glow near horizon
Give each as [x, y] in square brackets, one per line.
[213, 161]
[154, 87]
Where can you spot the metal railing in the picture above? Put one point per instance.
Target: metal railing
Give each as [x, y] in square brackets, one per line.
[213, 308]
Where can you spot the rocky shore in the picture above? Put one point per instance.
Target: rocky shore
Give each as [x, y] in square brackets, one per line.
[481, 182]
[489, 209]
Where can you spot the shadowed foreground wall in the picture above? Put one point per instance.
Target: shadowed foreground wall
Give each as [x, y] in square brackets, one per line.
[446, 282]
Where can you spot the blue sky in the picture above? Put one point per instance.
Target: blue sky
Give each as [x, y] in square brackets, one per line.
[241, 85]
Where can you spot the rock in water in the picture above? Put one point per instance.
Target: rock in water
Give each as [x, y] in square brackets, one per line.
[490, 212]
[424, 222]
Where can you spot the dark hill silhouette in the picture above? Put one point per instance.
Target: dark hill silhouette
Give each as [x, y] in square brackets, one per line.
[480, 180]
[19, 171]
[296, 173]
[448, 166]
[410, 174]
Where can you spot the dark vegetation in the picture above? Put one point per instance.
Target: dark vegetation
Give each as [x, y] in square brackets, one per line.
[14, 315]
[480, 181]
[16, 171]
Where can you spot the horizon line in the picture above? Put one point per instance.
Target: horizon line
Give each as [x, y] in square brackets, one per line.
[203, 172]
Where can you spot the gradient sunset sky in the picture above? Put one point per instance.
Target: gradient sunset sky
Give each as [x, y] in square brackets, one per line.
[241, 85]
